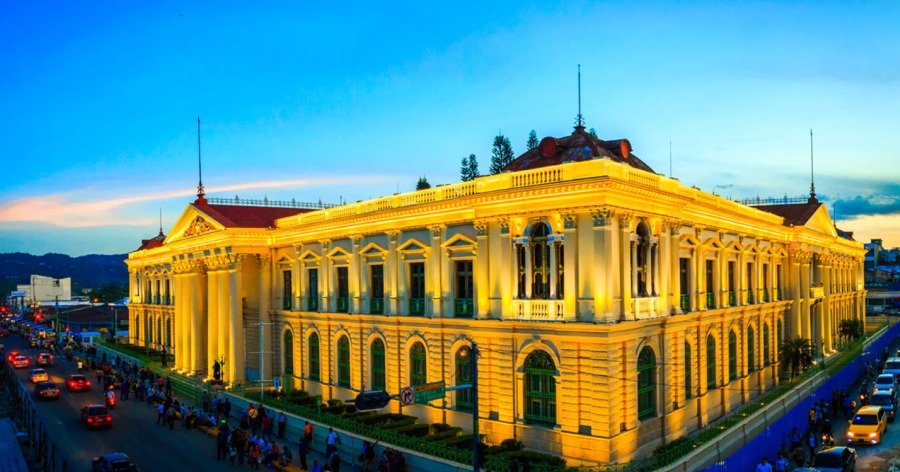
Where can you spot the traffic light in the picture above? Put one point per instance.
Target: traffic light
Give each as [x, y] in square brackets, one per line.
[372, 400]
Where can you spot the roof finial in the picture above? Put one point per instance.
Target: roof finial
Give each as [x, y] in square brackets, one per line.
[812, 175]
[200, 192]
[579, 120]
[160, 221]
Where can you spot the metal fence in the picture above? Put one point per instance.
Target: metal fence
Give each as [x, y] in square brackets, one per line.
[31, 421]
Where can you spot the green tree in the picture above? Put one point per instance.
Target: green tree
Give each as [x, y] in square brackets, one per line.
[501, 154]
[851, 329]
[795, 354]
[532, 140]
[469, 169]
[593, 133]
[422, 184]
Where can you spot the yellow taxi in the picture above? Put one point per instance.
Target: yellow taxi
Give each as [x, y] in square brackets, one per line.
[39, 375]
[867, 426]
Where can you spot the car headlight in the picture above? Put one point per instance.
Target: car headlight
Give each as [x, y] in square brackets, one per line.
[873, 435]
[850, 433]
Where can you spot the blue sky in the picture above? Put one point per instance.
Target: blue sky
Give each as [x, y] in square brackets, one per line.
[98, 102]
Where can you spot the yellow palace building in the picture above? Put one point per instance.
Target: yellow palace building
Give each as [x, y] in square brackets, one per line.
[615, 309]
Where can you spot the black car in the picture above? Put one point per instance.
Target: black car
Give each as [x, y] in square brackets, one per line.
[114, 462]
[835, 459]
[46, 390]
[96, 416]
[887, 401]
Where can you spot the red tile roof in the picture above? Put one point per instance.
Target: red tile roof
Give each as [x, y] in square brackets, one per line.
[241, 216]
[153, 242]
[578, 146]
[794, 214]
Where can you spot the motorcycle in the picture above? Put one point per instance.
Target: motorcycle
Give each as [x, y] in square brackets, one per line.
[111, 401]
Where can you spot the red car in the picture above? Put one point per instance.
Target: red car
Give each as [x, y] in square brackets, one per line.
[45, 359]
[20, 361]
[96, 416]
[4, 333]
[78, 383]
[12, 355]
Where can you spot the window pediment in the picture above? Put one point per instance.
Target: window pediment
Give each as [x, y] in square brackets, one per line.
[460, 242]
[339, 253]
[373, 251]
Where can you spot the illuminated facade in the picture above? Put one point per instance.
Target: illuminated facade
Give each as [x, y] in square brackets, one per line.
[615, 309]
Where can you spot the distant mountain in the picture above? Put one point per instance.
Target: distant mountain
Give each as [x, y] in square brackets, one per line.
[93, 270]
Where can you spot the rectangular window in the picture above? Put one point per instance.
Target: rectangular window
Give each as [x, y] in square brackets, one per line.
[684, 282]
[376, 289]
[710, 284]
[560, 272]
[778, 282]
[465, 289]
[286, 290]
[312, 290]
[731, 297]
[417, 288]
[343, 290]
[750, 284]
[765, 274]
[521, 276]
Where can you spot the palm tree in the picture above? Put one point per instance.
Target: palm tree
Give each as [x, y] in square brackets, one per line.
[796, 354]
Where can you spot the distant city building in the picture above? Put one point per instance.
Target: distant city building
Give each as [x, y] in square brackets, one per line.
[615, 309]
[46, 289]
[882, 268]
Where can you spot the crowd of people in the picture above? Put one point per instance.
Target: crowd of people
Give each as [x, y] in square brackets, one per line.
[258, 439]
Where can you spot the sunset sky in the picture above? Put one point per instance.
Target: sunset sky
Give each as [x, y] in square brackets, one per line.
[99, 102]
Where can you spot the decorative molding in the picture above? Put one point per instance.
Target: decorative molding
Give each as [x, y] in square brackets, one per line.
[436, 230]
[481, 228]
[197, 227]
[393, 235]
[570, 220]
[504, 226]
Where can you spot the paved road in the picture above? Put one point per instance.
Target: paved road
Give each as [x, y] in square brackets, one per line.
[134, 432]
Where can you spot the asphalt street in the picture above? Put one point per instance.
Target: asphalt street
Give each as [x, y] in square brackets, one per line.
[134, 430]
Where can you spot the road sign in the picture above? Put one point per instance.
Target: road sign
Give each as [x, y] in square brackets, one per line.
[407, 396]
[429, 392]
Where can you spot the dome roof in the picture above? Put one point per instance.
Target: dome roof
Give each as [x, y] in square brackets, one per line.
[578, 146]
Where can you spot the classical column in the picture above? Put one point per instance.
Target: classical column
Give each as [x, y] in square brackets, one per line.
[180, 351]
[325, 278]
[236, 325]
[626, 281]
[571, 269]
[196, 323]
[223, 320]
[528, 268]
[482, 308]
[212, 345]
[392, 275]
[795, 324]
[265, 293]
[551, 249]
[434, 269]
[827, 328]
[355, 274]
[805, 315]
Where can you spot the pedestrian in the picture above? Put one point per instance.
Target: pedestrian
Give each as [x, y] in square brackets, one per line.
[764, 465]
[331, 442]
[221, 444]
[267, 428]
[303, 451]
[160, 413]
[282, 424]
[316, 467]
[811, 443]
[286, 456]
[335, 461]
[227, 408]
[781, 464]
[254, 456]
[308, 432]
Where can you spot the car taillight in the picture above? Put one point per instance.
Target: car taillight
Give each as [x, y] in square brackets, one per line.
[87, 382]
[90, 419]
[108, 418]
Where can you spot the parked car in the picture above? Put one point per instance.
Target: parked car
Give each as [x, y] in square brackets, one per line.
[867, 426]
[886, 382]
[46, 390]
[39, 375]
[115, 462]
[886, 400]
[45, 359]
[835, 459]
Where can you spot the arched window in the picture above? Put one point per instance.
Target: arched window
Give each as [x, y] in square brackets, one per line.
[711, 380]
[377, 351]
[463, 377]
[540, 388]
[314, 357]
[343, 362]
[418, 373]
[766, 348]
[751, 350]
[646, 388]
[732, 356]
[687, 371]
[287, 349]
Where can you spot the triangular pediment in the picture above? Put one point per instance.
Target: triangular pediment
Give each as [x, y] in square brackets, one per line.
[309, 255]
[821, 222]
[372, 249]
[413, 245]
[459, 241]
[192, 223]
[338, 252]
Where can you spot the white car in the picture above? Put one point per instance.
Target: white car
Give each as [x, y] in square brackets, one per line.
[886, 382]
[892, 366]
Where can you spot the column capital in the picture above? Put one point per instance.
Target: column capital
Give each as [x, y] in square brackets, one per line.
[504, 226]
[263, 259]
[481, 228]
[393, 236]
[436, 230]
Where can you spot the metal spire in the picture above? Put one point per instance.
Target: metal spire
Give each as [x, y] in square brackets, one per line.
[812, 175]
[200, 191]
[160, 222]
[579, 120]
